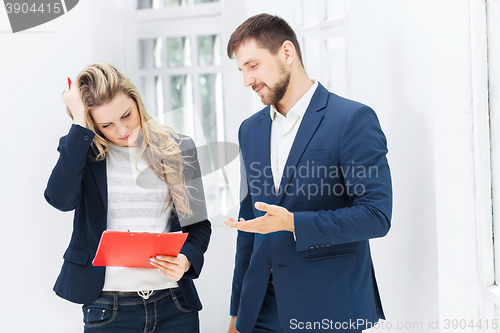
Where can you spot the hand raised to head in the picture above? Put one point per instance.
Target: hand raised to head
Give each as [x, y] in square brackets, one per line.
[74, 104]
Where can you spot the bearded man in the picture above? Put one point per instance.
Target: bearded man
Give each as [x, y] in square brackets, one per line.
[319, 187]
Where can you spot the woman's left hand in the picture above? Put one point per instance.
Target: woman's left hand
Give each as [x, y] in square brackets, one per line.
[172, 267]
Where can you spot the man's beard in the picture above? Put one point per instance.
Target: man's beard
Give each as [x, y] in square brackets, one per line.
[278, 91]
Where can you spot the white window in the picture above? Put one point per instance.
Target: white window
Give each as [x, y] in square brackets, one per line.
[174, 54]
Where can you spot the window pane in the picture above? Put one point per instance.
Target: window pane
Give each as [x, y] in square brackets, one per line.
[175, 3]
[203, 1]
[205, 56]
[219, 108]
[151, 53]
[213, 113]
[148, 4]
[179, 51]
[160, 102]
[174, 52]
[208, 105]
[144, 4]
[310, 12]
[209, 50]
[151, 90]
[335, 9]
[181, 91]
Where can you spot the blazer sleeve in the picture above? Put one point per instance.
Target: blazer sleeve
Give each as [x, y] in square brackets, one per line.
[362, 147]
[244, 242]
[197, 226]
[64, 188]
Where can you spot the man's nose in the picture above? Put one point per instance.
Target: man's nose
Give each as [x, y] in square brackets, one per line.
[248, 80]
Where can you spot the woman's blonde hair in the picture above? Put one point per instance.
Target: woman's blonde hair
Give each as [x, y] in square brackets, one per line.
[99, 83]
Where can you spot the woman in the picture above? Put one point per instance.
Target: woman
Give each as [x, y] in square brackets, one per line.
[120, 170]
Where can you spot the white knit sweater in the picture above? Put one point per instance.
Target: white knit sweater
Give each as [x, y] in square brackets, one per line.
[135, 203]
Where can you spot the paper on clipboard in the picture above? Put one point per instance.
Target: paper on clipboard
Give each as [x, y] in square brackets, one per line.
[134, 249]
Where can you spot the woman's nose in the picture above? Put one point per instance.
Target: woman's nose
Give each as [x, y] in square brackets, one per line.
[122, 131]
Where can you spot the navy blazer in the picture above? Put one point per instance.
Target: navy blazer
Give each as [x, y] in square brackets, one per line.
[78, 183]
[337, 183]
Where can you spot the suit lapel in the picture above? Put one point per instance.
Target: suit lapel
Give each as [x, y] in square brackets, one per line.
[307, 128]
[99, 172]
[263, 150]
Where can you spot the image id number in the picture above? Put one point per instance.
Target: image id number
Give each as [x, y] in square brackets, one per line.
[25, 8]
[463, 324]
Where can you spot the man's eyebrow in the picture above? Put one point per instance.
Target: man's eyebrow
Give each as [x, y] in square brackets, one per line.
[111, 121]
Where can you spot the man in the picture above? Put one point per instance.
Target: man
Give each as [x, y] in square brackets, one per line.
[319, 188]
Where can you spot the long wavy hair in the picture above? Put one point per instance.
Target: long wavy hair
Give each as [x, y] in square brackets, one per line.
[99, 83]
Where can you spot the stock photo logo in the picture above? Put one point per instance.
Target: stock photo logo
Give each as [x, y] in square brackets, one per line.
[26, 14]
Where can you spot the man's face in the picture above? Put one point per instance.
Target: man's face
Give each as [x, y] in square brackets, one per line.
[266, 73]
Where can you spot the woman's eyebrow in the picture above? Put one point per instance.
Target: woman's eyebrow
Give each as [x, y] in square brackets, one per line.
[124, 113]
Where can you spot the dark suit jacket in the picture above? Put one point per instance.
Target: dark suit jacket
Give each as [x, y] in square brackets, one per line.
[337, 183]
[80, 184]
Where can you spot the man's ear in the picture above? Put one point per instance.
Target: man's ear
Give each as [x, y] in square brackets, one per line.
[288, 50]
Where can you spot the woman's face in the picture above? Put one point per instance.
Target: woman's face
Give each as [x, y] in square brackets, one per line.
[118, 120]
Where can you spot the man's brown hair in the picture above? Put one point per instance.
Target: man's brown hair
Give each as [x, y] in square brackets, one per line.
[269, 31]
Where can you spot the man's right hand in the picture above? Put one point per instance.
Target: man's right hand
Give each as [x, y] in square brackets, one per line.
[232, 325]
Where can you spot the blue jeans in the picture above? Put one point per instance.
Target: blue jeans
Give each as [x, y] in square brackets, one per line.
[164, 311]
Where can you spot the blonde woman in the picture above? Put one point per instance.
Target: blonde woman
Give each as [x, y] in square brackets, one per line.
[118, 169]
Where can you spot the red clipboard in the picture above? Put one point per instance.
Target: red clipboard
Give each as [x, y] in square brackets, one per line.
[134, 249]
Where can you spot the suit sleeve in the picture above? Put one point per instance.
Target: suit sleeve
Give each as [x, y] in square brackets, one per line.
[197, 226]
[244, 242]
[64, 188]
[367, 184]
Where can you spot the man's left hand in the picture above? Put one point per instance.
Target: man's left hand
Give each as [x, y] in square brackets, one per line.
[277, 218]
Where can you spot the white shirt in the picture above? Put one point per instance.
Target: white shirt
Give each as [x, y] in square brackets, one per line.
[136, 199]
[283, 132]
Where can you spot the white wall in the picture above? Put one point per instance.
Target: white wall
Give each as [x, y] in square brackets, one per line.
[390, 70]
[410, 60]
[415, 62]
[34, 66]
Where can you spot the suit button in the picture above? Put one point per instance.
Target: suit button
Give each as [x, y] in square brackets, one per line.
[268, 265]
[86, 137]
[327, 245]
[311, 247]
[317, 246]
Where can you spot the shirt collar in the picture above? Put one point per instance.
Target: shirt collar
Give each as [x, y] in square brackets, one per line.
[301, 106]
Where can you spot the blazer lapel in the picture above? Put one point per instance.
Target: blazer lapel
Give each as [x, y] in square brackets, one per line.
[99, 172]
[263, 151]
[307, 128]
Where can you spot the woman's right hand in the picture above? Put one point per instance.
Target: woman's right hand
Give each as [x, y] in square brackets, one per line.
[75, 105]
